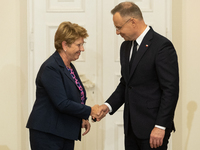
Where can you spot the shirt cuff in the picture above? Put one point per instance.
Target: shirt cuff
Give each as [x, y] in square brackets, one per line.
[160, 127]
[110, 108]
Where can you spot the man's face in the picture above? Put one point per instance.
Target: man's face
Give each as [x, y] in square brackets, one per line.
[124, 26]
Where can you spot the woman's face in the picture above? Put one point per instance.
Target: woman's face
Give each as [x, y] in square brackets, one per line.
[73, 52]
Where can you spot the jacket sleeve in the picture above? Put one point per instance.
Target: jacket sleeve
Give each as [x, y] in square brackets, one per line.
[117, 99]
[168, 75]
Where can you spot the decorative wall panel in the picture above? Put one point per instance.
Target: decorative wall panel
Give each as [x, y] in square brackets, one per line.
[65, 6]
[51, 29]
[119, 138]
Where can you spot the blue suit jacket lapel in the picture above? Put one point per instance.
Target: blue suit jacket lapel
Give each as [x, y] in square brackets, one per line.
[62, 65]
[77, 76]
[67, 73]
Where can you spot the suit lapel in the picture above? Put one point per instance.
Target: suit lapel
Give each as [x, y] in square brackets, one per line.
[62, 65]
[146, 42]
[67, 73]
[77, 76]
[125, 62]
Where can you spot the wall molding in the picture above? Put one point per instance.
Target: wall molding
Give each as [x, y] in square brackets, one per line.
[63, 6]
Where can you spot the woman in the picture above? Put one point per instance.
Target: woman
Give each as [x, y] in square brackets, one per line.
[59, 111]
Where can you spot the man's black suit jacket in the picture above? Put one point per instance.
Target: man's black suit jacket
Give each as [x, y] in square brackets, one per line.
[58, 109]
[150, 89]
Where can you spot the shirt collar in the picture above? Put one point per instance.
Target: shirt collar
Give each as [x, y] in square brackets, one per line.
[140, 38]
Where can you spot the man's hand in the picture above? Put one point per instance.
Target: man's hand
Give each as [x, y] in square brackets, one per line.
[104, 108]
[103, 111]
[156, 137]
[86, 125]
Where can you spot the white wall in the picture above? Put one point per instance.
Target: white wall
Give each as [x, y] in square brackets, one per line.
[191, 74]
[14, 74]
[186, 39]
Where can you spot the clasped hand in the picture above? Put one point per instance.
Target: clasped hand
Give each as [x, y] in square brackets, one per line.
[98, 112]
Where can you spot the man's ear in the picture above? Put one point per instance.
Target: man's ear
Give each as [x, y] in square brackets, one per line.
[133, 21]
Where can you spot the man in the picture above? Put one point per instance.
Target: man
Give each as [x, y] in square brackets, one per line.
[149, 85]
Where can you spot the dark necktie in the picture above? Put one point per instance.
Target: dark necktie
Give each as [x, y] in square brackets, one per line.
[133, 55]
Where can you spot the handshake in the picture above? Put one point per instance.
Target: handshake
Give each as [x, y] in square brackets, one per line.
[98, 112]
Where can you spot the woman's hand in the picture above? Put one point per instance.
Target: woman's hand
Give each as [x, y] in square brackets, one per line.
[86, 125]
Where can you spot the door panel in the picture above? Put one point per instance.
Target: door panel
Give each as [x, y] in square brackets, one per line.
[46, 17]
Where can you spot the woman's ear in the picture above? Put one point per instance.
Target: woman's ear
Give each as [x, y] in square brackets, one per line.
[64, 44]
